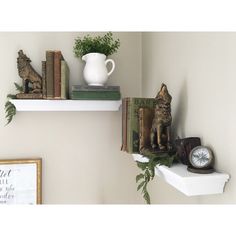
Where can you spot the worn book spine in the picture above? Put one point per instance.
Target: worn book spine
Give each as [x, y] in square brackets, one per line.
[44, 88]
[95, 88]
[135, 104]
[95, 95]
[50, 74]
[146, 116]
[124, 124]
[128, 125]
[65, 74]
[57, 74]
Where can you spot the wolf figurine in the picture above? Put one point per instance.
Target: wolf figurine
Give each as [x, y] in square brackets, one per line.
[28, 74]
[161, 124]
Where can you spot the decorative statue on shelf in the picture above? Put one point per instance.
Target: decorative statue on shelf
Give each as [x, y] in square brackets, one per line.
[32, 81]
[161, 124]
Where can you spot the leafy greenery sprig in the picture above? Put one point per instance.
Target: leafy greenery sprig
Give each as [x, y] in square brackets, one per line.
[148, 169]
[10, 109]
[100, 44]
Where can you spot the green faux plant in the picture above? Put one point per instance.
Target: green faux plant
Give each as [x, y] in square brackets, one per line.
[10, 109]
[148, 169]
[99, 44]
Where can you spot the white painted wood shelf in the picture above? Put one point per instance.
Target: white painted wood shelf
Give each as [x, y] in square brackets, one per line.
[65, 105]
[190, 184]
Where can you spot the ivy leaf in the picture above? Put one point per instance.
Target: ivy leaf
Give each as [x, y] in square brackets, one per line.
[148, 168]
[138, 177]
[146, 196]
[147, 176]
[140, 185]
[142, 165]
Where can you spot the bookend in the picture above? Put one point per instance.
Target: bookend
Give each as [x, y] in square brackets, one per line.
[32, 81]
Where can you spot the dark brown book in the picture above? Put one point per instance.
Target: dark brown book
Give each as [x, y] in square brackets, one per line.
[44, 88]
[124, 124]
[146, 116]
[50, 74]
[57, 74]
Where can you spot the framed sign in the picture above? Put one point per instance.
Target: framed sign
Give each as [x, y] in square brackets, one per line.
[20, 181]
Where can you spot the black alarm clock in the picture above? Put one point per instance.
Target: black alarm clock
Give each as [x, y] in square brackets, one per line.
[201, 160]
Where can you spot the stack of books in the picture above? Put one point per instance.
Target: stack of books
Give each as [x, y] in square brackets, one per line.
[55, 76]
[137, 116]
[86, 92]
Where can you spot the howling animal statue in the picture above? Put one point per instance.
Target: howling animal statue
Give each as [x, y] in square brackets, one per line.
[161, 124]
[32, 81]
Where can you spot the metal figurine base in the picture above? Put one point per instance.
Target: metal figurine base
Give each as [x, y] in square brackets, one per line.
[200, 171]
[29, 96]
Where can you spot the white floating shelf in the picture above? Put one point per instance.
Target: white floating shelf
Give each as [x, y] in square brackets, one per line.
[190, 184]
[65, 105]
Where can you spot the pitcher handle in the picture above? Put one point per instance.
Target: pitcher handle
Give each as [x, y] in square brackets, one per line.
[113, 66]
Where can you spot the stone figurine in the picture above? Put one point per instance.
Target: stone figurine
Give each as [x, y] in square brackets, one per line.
[161, 124]
[32, 81]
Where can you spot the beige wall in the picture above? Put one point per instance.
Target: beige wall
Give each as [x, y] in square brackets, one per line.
[199, 70]
[82, 161]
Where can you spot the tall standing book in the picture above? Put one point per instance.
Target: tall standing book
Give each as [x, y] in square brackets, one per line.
[65, 74]
[57, 74]
[133, 121]
[124, 124]
[50, 74]
[44, 89]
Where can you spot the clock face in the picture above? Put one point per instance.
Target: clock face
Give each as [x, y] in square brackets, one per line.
[201, 157]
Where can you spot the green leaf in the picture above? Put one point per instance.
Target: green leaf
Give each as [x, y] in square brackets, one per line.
[147, 176]
[9, 120]
[12, 96]
[9, 108]
[142, 165]
[138, 177]
[140, 185]
[101, 44]
[8, 104]
[146, 196]
[155, 158]
[18, 87]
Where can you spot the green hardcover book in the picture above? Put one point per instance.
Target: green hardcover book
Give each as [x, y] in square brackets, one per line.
[128, 145]
[65, 76]
[133, 121]
[50, 74]
[95, 95]
[94, 88]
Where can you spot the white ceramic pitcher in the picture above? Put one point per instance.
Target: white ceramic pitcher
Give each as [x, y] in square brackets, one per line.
[95, 71]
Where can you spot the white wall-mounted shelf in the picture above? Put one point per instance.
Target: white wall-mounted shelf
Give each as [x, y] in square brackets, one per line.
[190, 184]
[65, 105]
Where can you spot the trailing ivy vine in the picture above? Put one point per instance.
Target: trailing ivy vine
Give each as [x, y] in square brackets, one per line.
[10, 109]
[148, 169]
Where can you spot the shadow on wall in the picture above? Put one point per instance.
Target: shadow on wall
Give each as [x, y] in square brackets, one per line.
[179, 118]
